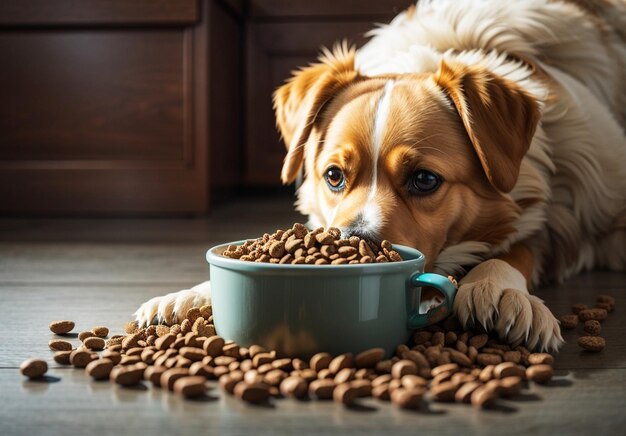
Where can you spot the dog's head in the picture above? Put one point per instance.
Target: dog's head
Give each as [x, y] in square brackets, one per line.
[423, 160]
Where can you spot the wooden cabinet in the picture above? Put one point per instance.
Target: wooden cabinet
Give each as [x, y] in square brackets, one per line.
[282, 35]
[118, 106]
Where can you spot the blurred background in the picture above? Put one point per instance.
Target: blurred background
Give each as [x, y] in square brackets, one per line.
[153, 108]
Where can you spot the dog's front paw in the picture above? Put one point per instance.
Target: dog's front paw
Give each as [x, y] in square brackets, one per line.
[494, 295]
[172, 308]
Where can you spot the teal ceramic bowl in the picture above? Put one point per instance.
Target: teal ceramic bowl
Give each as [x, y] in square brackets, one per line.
[299, 310]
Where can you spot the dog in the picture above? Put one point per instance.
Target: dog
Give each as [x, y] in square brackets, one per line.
[488, 134]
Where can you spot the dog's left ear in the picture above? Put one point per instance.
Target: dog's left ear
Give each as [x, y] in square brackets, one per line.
[300, 101]
[499, 117]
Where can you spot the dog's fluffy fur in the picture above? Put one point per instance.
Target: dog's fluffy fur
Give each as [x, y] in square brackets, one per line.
[519, 105]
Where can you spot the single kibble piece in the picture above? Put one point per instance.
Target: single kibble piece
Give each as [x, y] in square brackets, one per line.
[381, 392]
[407, 398]
[369, 358]
[464, 393]
[34, 368]
[508, 369]
[408, 381]
[252, 393]
[213, 346]
[126, 375]
[62, 357]
[478, 341]
[597, 314]
[169, 377]
[488, 359]
[345, 394]
[101, 332]
[448, 367]
[403, 367]
[190, 386]
[484, 396]
[592, 343]
[320, 361]
[293, 386]
[61, 327]
[344, 375]
[593, 327]
[340, 362]
[153, 374]
[510, 386]
[99, 369]
[322, 389]
[113, 356]
[539, 373]
[540, 359]
[80, 358]
[486, 373]
[164, 342]
[59, 345]
[94, 343]
[460, 358]
[444, 392]
[569, 321]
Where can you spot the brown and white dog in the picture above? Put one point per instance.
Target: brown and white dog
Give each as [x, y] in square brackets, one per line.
[488, 134]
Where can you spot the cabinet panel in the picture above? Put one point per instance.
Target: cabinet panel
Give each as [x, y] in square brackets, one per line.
[93, 95]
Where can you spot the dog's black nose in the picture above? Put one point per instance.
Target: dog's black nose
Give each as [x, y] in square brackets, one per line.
[361, 233]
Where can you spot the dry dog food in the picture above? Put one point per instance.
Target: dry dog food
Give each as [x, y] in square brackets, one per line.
[59, 345]
[592, 327]
[61, 327]
[605, 302]
[99, 369]
[319, 247]
[191, 386]
[596, 314]
[591, 318]
[569, 321]
[443, 363]
[541, 373]
[94, 343]
[101, 332]
[34, 368]
[592, 343]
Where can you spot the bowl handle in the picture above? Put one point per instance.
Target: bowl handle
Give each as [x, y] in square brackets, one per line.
[437, 313]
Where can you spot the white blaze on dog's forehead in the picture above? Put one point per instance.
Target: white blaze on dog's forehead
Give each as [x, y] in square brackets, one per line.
[370, 214]
[380, 121]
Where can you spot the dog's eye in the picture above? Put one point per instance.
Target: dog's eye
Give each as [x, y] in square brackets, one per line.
[334, 179]
[424, 182]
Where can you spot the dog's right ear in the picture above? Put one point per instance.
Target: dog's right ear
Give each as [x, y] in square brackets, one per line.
[301, 100]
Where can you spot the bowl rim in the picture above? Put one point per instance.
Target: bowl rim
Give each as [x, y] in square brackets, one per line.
[214, 258]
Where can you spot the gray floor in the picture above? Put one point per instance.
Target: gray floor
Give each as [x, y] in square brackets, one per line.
[97, 272]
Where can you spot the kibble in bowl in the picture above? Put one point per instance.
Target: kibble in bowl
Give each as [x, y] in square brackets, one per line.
[303, 307]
